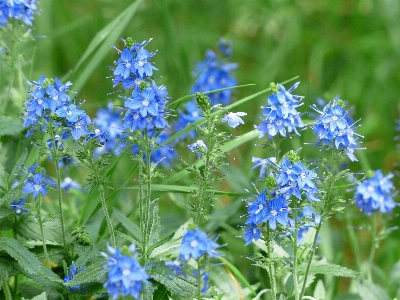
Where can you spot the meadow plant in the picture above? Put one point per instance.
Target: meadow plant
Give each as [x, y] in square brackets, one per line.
[53, 234]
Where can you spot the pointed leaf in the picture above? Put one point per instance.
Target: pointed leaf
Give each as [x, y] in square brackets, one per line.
[90, 274]
[128, 224]
[154, 223]
[371, 291]
[10, 125]
[25, 259]
[329, 269]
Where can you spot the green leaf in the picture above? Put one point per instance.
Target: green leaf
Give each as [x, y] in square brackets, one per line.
[154, 223]
[102, 42]
[237, 274]
[329, 269]
[25, 259]
[42, 296]
[90, 274]
[10, 125]
[13, 194]
[176, 284]
[161, 292]
[90, 252]
[29, 228]
[319, 291]
[147, 292]
[128, 224]
[4, 270]
[20, 162]
[128, 238]
[371, 291]
[169, 188]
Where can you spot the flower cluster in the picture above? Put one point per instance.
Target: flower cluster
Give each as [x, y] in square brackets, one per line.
[17, 9]
[49, 101]
[37, 182]
[109, 121]
[124, 274]
[281, 116]
[375, 193]
[333, 129]
[145, 108]
[289, 178]
[213, 74]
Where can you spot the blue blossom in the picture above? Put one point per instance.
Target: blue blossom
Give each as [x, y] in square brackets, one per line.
[281, 115]
[68, 184]
[37, 184]
[234, 119]
[17, 9]
[18, 207]
[257, 210]
[333, 129]
[250, 234]
[213, 74]
[80, 127]
[124, 274]
[375, 193]
[198, 147]
[133, 66]
[277, 212]
[100, 135]
[263, 163]
[205, 278]
[70, 112]
[71, 273]
[144, 102]
[195, 243]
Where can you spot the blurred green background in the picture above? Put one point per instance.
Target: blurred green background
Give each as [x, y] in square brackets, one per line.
[343, 48]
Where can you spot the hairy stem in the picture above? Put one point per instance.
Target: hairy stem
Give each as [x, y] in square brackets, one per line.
[295, 248]
[46, 254]
[54, 153]
[372, 250]
[148, 196]
[204, 182]
[271, 264]
[327, 197]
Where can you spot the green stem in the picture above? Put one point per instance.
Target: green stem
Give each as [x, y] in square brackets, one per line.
[353, 241]
[143, 222]
[60, 200]
[6, 290]
[295, 248]
[372, 250]
[318, 228]
[271, 266]
[13, 51]
[46, 254]
[148, 196]
[204, 182]
[100, 185]
[198, 280]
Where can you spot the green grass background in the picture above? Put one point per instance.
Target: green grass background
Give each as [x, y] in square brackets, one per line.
[348, 48]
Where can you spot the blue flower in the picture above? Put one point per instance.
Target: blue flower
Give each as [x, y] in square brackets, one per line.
[277, 212]
[257, 210]
[213, 74]
[198, 147]
[71, 274]
[205, 278]
[263, 163]
[143, 101]
[281, 116]
[68, 184]
[234, 119]
[250, 234]
[195, 243]
[17, 9]
[124, 274]
[37, 184]
[332, 128]
[70, 112]
[375, 193]
[79, 128]
[100, 135]
[18, 207]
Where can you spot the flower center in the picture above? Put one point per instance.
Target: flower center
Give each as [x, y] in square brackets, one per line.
[274, 212]
[136, 116]
[37, 187]
[279, 122]
[40, 101]
[273, 107]
[195, 114]
[126, 272]
[289, 171]
[334, 118]
[78, 126]
[303, 175]
[141, 63]
[55, 97]
[145, 102]
[128, 65]
[371, 189]
[69, 113]
[260, 207]
[194, 243]
[149, 118]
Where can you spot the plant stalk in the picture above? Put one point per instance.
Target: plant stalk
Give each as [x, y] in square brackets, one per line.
[6, 290]
[46, 254]
[271, 266]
